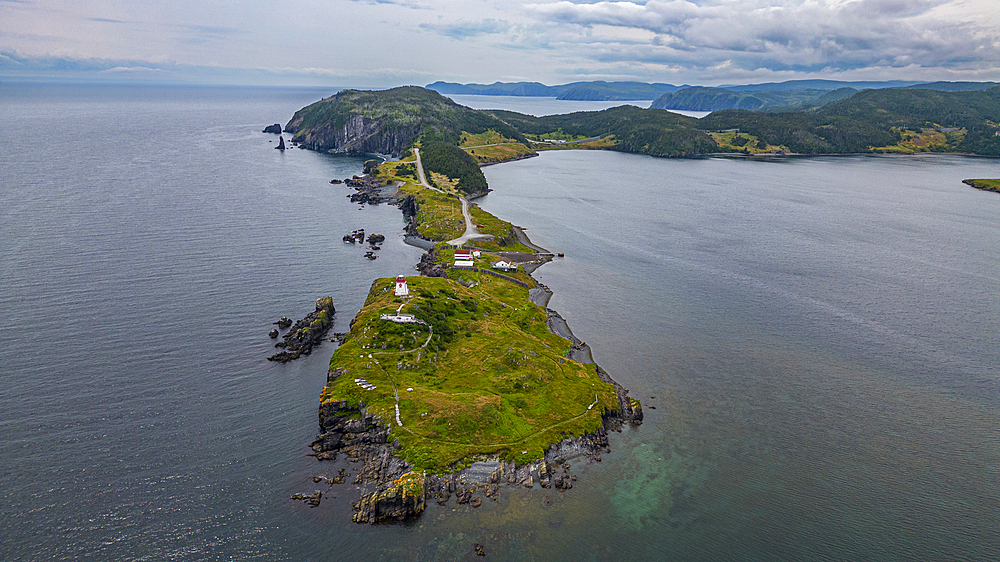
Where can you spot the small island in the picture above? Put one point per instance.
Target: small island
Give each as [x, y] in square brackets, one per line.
[984, 184]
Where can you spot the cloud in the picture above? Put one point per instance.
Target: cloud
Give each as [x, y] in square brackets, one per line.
[799, 35]
[465, 30]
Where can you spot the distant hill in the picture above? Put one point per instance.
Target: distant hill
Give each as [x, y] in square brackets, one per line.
[499, 89]
[791, 95]
[616, 91]
[587, 91]
[629, 129]
[954, 86]
[828, 85]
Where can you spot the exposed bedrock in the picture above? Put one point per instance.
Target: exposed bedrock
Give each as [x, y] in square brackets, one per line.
[359, 135]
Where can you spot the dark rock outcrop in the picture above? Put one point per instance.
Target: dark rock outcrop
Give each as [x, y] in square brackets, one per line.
[430, 267]
[312, 500]
[358, 135]
[409, 206]
[368, 189]
[395, 503]
[398, 493]
[306, 333]
[281, 144]
[273, 333]
[276, 129]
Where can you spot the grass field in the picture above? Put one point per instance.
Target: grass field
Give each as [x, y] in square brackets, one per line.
[491, 147]
[484, 377]
[741, 142]
[924, 140]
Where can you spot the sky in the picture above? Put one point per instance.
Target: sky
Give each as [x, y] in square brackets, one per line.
[385, 43]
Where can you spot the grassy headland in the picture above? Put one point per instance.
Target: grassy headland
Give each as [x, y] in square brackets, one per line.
[484, 376]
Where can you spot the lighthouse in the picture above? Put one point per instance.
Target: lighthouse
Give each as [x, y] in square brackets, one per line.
[401, 289]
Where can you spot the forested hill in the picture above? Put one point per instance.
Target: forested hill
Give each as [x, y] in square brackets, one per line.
[888, 120]
[627, 128]
[891, 120]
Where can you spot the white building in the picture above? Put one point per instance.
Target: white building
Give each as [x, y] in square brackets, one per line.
[401, 289]
[463, 258]
[401, 318]
[504, 265]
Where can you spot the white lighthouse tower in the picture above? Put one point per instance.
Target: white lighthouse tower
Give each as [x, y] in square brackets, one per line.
[401, 289]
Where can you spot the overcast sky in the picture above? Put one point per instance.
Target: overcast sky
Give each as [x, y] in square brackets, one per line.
[381, 43]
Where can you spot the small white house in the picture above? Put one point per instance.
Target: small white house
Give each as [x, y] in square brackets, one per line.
[401, 289]
[504, 265]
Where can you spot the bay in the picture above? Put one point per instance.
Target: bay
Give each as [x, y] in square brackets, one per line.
[817, 334]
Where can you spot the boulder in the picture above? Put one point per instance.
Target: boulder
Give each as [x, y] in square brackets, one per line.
[276, 129]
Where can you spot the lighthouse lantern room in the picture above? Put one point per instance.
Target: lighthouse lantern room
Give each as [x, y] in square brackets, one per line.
[401, 289]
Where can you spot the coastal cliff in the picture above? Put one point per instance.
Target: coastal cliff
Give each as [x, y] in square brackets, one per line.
[358, 135]
[386, 122]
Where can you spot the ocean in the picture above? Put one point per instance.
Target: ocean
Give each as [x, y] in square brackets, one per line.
[814, 342]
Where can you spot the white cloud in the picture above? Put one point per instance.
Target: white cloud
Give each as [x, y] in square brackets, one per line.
[804, 36]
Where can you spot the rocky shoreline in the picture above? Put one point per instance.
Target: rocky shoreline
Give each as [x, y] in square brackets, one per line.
[393, 492]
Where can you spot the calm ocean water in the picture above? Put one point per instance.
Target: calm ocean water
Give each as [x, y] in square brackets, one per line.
[818, 334]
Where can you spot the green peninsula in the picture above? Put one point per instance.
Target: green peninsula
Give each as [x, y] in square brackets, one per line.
[460, 370]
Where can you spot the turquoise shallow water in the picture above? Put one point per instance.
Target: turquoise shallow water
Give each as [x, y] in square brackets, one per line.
[816, 336]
